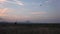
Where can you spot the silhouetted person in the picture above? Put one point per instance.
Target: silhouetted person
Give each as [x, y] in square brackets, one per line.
[15, 22]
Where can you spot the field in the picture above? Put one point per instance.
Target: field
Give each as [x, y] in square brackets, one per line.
[9, 28]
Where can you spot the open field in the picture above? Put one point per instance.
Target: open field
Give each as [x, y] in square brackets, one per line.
[29, 28]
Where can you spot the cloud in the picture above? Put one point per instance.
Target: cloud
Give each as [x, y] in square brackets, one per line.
[49, 1]
[19, 2]
[2, 1]
[39, 13]
[7, 16]
[13, 18]
[3, 11]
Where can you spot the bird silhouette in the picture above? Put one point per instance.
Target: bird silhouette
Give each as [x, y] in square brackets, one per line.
[40, 4]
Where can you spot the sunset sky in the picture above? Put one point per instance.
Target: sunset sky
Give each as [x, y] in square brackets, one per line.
[41, 11]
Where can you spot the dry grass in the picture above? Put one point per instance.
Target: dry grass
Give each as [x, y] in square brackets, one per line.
[28, 29]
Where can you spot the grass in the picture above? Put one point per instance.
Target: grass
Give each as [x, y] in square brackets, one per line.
[29, 28]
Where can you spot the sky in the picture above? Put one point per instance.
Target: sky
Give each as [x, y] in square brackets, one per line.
[36, 11]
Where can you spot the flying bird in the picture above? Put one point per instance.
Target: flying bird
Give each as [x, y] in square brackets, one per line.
[40, 4]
